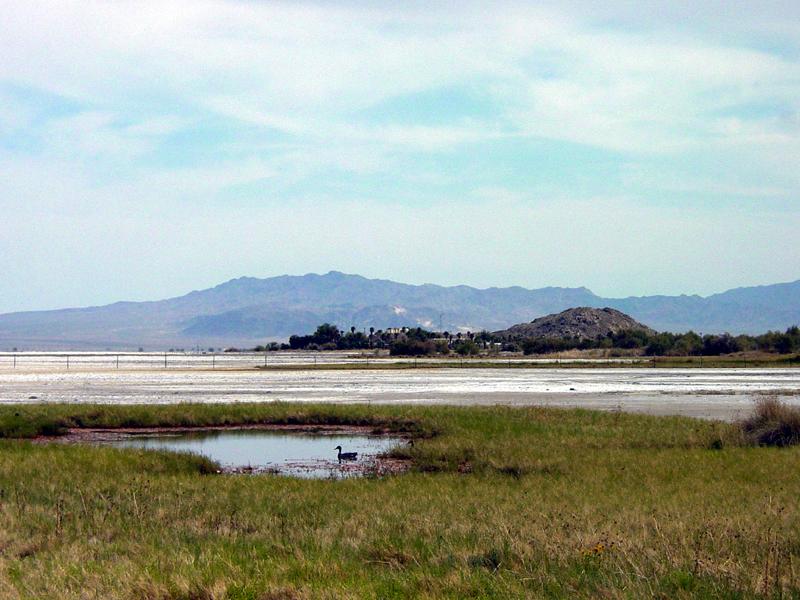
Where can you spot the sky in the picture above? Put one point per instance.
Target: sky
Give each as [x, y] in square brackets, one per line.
[149, 148]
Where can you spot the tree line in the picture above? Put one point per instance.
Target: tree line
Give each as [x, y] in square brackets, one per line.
[671, 344]
[420, 342]
[402, 341]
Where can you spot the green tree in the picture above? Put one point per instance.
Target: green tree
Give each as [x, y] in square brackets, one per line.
[326, 334]
[629, 339]
[660, 344]
[714, 345]
[688, 344]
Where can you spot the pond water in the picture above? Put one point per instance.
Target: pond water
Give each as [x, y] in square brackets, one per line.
[284, 453]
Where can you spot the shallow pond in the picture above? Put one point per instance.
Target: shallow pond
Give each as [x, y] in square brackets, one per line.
[285, 453]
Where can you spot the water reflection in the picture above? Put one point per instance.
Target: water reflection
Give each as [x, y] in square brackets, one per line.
[287, 453]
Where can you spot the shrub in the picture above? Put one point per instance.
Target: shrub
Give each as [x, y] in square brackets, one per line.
[544, 345]
[442, 347]
[410, 347]
[773, 423]
[467, 347]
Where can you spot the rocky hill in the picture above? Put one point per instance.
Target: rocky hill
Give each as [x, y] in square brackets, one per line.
[583, 323]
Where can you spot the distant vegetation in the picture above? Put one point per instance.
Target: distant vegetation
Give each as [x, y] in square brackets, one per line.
[671, 344]
[401, 341]
[419, 342]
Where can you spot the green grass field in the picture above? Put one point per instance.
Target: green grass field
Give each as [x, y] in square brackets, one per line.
[499, 503]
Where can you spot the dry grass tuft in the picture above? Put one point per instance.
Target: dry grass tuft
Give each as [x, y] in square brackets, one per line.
[773, 423]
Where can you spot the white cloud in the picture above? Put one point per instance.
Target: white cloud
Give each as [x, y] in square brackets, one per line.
[15, 116]
[286, 62]
[687, 101]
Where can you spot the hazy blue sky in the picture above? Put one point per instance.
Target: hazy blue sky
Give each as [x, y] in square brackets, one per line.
[153, 147]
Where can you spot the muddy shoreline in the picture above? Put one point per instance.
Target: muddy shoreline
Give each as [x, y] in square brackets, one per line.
[88, 435]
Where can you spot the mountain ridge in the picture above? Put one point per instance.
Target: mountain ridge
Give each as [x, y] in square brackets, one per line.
[246, 311]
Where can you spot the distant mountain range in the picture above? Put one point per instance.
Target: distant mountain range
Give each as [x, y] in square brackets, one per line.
[249, 311]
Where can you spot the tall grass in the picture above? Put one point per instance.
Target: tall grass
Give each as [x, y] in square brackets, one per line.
[55, 419]
[501, 503]
[773, 423]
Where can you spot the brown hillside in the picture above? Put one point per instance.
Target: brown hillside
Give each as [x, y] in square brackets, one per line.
[583, 322]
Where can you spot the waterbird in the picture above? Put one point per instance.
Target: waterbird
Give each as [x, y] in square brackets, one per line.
[346, 455]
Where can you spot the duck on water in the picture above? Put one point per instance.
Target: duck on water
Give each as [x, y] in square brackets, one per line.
[346, 455]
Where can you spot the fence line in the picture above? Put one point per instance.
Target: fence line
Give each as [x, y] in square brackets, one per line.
[53, 361]
[66, 361]
[143, 361]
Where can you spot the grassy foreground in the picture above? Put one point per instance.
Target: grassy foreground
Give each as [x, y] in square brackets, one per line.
[502, 503]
